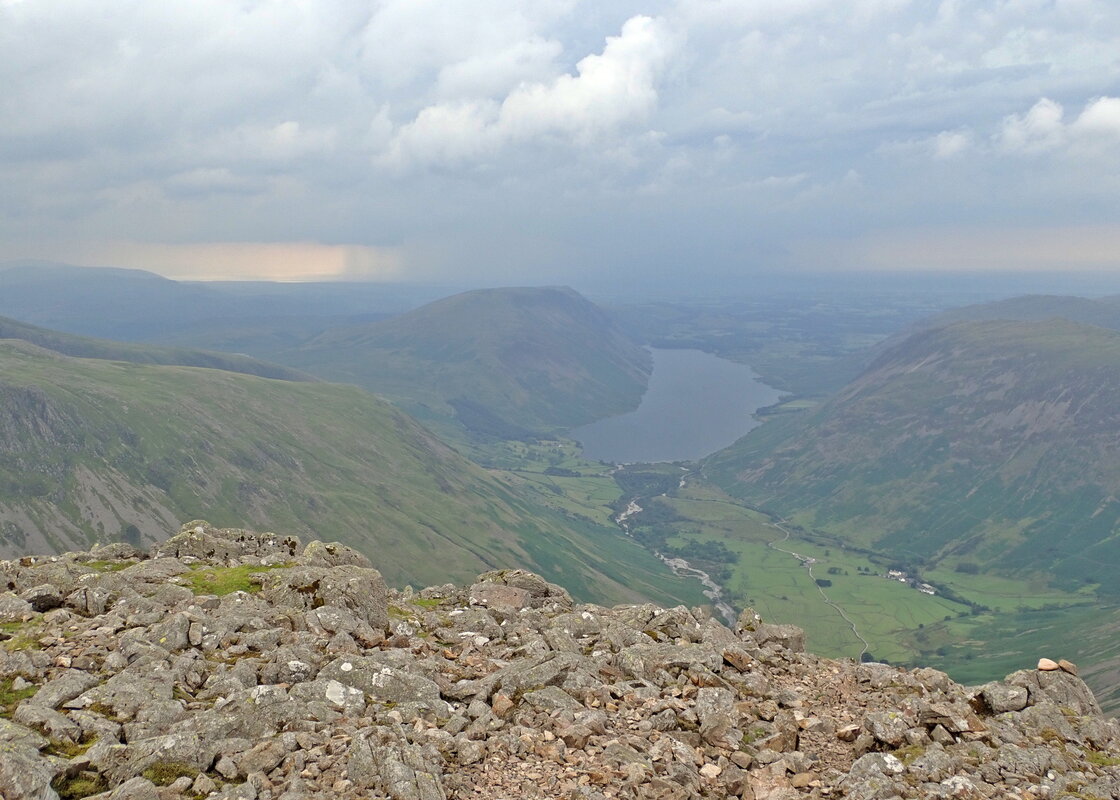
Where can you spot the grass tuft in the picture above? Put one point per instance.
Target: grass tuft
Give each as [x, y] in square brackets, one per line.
[226, 580]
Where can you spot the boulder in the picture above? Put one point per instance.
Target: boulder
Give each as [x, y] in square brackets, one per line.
[332, 554]
[14, 608]
[200, 540]
[358, 589]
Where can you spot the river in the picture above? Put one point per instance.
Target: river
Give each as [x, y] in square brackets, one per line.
[696, 404]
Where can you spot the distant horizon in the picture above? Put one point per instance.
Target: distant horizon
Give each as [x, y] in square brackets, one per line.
[984, 284]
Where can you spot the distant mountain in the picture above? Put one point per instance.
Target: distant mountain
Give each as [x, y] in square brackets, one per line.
[995, 444]
[94, 449]
[249, 317]
[99, 301]
[83, 347]
[1104, 311]
[502, 361]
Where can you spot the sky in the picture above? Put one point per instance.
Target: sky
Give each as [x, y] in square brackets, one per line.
[553, 141]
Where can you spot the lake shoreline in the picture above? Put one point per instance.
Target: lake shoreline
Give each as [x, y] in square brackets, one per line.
[695, 405]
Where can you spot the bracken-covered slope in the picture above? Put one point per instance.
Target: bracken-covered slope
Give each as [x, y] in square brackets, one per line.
[100, 450]
[530, 358]
[228, 665]
[996, 443]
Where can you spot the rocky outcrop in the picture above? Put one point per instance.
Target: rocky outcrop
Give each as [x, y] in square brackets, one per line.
[228, 664]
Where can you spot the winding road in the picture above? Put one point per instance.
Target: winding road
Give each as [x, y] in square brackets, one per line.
[808, 564]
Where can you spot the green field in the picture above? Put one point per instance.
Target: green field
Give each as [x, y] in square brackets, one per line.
[780, 588]
[975, 627]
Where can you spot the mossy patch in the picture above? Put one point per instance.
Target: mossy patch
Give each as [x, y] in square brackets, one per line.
[109, 566]
[10, 698]
[75, 787]
[67, 749]
[19, 636]
[226, 580]
[907, 755]
[1102, 759]
[165, 773]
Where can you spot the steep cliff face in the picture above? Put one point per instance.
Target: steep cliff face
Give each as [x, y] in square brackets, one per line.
[231, 664]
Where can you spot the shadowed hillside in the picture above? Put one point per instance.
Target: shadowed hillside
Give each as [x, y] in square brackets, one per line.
[500, 361]
[103, 450]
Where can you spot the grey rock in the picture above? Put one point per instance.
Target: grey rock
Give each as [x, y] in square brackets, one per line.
[888, 727]
[263, 757]
[1002, 697]
[385, 684]
[1057, 687]
[47, 721]
[44, 597]
[332, 554]
[401, 770]
[23, 774]
[14, 609]
[200, 540]
[119, 762]
[66, 686]
[116, 551]
[549, 699]
[358, 589]
[135, 789]
[789, 637]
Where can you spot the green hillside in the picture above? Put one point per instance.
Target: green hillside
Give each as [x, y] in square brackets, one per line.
[97, 450]
[84, 347]
[981, 446]
[499, 361]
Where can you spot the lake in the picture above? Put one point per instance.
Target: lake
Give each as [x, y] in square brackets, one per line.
[696, 404]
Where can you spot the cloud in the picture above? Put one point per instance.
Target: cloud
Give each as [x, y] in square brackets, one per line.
[609, 91]
[441, 127]
[1043, 129]
[950, 144]
[1039, 130]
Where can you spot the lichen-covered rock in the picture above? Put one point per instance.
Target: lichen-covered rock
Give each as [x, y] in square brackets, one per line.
[358, 589]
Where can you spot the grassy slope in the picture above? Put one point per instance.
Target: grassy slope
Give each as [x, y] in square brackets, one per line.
[535, 358]
[85, 347]
[994, 443]
[91, 446]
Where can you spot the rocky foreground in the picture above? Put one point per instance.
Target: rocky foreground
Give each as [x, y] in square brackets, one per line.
[231, 664]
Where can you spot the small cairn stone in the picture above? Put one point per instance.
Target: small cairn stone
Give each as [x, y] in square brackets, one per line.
[1048, 665]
